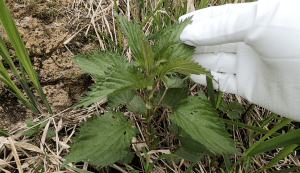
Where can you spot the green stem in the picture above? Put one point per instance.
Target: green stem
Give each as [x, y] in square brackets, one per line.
[118, 25]
[149, 134]
[271, 132]
[147, 19]
[277, 127]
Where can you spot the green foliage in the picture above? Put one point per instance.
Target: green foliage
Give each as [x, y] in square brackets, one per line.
[3, 132]
[189, 148]
[171, 36]
[172, 96]
[173, 81]
[103, 140]
[37, 128]
[97, 62]
[106, 138]
[112, 73]
[137, 105]
[135, 37]
[122, 98]
[232, 109]
[14, 37]
[202, 123]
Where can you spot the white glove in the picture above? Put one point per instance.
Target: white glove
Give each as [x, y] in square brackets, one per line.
[252, 50]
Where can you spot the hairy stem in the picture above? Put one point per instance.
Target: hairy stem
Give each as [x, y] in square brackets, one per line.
[161, 99]
[163, 106]
[149, 135]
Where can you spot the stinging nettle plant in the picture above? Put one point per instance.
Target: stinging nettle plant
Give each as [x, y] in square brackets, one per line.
[106, 139]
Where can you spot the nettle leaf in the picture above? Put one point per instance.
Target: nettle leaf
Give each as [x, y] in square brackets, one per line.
[163, 54]
[134, 35]
[173, 96]
[185, 66]
[202, 96]
[50, 133]
[171, 34]
[189, 148]
[233, 115]
[118, 78]
[102, 141]
[148, 57]
[96, 94]
[239, 108]
[121, 98]
[137, 105]
[173, 81]
[223, 106]
[30, 132]
[30, 122]
[188, 155]
[128, 97]
[199, 120]
[97, 62]
[123, 78]
[43, 124]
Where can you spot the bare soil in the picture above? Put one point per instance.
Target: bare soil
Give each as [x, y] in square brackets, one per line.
[43, 36]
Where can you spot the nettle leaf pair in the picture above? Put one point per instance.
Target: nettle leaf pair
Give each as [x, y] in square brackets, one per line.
[106, 139]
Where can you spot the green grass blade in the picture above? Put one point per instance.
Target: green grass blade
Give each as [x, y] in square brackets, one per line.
[141, 157]
[3, 132]
[211, 92]
[277, 127]
[256, 129]
[24, 83]
[16, 41]
[156, 20]
[203, 4]
[282, 154]
[248, 160]
[185, 8]
[167, 18]
[6, 79]
[220, 94]
[268, 119]
[284, 140]
[23, 100]
[147, 19]
[43, 97]
[5, 55]
[111, 42]
[118, 24]
[147, 159]
[14, 89]
[227, 162]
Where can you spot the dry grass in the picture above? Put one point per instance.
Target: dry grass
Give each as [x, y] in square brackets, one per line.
[41, 154]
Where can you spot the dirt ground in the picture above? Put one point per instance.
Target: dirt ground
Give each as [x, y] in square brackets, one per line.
[43, 36]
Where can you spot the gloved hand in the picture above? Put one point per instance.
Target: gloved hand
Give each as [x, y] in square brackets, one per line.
[252, 50]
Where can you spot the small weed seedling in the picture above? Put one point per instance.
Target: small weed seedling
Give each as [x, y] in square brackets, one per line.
[35, 130]
[106, 139]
